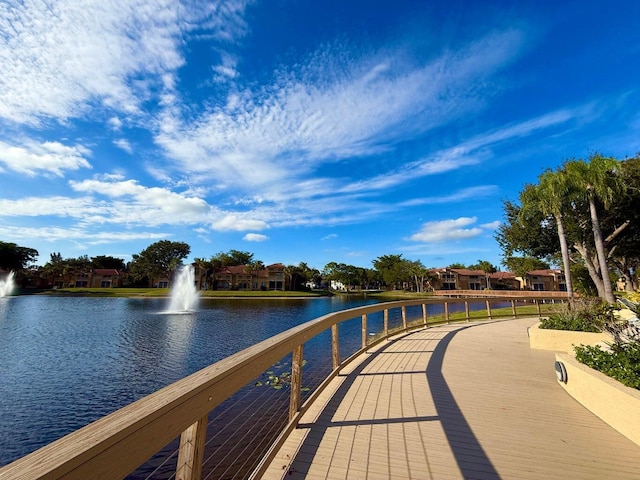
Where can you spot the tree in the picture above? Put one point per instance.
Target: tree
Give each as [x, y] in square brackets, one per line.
[394, 269]
[160, 259]
[207, 267]
[551, 196]
[104, 261]
[231, 258]
[523, 265]
[483, 265]
[529, 231]
[598, 182]
[457, 265]
[300, 274]
[254, 267]
[419, 273]
[624, 249]
[14, 257]
[526, 232]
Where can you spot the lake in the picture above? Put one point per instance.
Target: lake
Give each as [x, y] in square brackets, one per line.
[67, 361]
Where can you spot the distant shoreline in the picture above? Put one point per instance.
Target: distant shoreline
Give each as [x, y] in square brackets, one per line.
[207, 294]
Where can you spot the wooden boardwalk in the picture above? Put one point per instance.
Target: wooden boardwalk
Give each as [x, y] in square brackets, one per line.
[465, 401]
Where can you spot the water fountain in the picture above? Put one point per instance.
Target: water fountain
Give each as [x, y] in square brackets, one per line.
[6, 285]
[184, 296]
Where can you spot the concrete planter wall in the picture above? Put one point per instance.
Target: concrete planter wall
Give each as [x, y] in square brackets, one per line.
[615, 403]
[563, 340]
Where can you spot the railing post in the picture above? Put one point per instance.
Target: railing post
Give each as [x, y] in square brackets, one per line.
[513, 308]
[296, 381]
[466, 310]
[364, 330]
[191, 452]
[488, 309]
[404, 317]
[386, 323]
[446, 311]
[424, 314]
[335, 347]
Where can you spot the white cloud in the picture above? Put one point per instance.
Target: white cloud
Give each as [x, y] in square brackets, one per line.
[237, 222]
[226, 70]
[58, 58]
[146, 205]
[53, 234]
[83, 207]
[255, 237]
[33, 158]
[123, 144]
[330, 108]
[492, 225]
[115, 123]
[330, 236]
[464, 194]
[445, 230]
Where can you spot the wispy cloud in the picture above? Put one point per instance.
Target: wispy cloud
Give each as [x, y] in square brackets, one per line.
[53, 234]
[58, 59]
[238, 223]
[446, 230]
[464, 194]
[331, 108]
[123, 144]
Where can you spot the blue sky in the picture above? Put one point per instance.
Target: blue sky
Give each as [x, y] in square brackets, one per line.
[299, 130]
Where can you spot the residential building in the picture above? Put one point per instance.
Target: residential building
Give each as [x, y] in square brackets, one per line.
[238, 277]
[459, 279]
[105, 278]
[548, 280]
[504, 281]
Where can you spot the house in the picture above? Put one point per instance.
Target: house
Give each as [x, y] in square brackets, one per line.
[237, 277]
[548, 280]
[275, 276]
[459, 279]
[105, 278]
[504, 281]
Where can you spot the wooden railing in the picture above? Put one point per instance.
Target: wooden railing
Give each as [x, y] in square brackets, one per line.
[116, 445]
[500, 293]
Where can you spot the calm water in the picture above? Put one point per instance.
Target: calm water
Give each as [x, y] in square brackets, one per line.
[65, 362]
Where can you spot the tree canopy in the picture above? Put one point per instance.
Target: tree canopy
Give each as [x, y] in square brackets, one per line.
[483, 265]
[160, 259]
[14, 257]
[589, 204]
[231, 258]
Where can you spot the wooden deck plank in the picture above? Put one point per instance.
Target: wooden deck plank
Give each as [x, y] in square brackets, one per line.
[456, 401]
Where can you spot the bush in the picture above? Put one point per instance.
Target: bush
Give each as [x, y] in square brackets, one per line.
[583, 316]
[621, 363]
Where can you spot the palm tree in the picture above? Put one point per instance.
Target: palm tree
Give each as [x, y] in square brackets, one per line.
[255, 266]
[597, 181]
[552, 193]
[545, 198]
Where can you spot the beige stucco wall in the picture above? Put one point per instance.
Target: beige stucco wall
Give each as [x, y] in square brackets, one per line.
[616, 404]
[563, 340]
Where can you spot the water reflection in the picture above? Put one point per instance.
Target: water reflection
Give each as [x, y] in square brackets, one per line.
[65, 362]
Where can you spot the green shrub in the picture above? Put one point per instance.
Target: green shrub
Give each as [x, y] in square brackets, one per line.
[622, 363]
[583, 316]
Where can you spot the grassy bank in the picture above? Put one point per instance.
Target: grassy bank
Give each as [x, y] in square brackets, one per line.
[165, 292]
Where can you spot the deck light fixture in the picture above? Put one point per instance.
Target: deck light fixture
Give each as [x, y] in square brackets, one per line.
[561, 372]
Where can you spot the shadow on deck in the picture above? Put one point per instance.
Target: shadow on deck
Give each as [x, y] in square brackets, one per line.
[457, 401]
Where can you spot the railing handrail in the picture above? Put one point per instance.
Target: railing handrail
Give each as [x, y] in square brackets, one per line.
[117, 444]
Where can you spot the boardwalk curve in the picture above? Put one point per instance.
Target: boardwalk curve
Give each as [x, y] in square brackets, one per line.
[465, 401]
